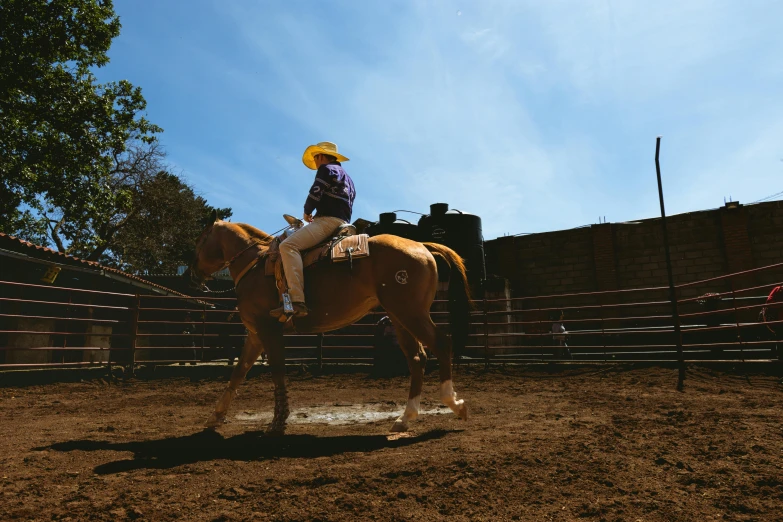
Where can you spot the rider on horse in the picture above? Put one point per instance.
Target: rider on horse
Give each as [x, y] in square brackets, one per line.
[331, 198]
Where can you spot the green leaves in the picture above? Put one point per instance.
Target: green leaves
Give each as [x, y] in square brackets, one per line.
[80, 165]
[166, 217]
[61, 133]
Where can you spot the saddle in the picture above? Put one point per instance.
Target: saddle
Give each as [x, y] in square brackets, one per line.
[337, 249]
[345, 245]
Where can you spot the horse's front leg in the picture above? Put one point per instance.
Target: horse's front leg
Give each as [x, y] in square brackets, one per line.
[250, 352]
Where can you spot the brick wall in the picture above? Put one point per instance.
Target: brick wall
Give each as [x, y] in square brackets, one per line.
[604, 258]
[540, 264]
[695, 243]
[703, 244]
[765, 230]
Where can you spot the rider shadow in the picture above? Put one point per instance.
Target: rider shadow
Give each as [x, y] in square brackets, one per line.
[209, 445]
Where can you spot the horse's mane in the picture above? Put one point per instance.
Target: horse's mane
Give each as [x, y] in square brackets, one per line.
[254, 233]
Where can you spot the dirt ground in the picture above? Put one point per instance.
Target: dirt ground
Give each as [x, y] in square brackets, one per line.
[590, 443]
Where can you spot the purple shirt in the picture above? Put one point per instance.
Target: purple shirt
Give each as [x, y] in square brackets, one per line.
[332, 193]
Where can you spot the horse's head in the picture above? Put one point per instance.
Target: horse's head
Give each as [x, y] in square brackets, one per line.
[208, 257]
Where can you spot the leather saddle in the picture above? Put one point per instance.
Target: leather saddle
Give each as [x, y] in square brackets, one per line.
[345, 245]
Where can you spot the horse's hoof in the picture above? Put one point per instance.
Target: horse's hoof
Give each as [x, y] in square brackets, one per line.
[399, 426]
[463, 411]
[275, 430]
[214, 422]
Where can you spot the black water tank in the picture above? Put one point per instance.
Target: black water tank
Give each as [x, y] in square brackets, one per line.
[389, 224]
[457, 230]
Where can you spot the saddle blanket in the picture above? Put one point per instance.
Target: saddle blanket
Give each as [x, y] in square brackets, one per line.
[336, 250]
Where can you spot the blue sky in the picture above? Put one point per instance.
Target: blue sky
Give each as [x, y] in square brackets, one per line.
[535, 115]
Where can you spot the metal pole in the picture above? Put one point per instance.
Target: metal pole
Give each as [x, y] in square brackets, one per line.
[542, 336]
[672, 292]
[67, 328]
[203, 330]
[320, 351]
[603, 326]
[486, 336]
[109, 367]
[134, 330]
[736, 320]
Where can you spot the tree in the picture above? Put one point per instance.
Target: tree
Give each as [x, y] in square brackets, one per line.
[152, 221]
[81, 166]
[63, 136]
[159, 235]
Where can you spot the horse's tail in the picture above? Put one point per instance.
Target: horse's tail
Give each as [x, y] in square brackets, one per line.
[450, 264]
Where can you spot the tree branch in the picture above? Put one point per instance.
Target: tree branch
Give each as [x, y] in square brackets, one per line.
[54, 233]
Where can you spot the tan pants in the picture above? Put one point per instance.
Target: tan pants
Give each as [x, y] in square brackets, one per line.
[321, 229]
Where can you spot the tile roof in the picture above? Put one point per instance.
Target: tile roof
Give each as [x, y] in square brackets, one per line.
[21, 246]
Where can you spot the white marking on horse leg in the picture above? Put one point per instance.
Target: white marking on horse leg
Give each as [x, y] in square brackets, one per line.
[449, 398]
[410, 413]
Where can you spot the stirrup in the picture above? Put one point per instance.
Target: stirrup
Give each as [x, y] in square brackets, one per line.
[286, 309]
[300, 310]
[289, 309]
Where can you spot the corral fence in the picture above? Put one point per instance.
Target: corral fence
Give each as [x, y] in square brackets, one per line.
[53, 327]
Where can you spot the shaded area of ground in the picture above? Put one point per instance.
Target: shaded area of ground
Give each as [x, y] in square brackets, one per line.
[597, 443]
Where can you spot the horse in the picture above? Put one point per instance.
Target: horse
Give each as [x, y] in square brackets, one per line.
[400, 275]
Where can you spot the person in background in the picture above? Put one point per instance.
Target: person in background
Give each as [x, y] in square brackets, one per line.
[559, 336]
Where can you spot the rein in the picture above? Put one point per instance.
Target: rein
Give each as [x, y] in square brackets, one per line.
[248, 247]
[253, 243]
[252, 264]
[205, 289]
[255, 261]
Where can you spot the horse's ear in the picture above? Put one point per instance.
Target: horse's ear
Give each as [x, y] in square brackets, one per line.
[214, 215]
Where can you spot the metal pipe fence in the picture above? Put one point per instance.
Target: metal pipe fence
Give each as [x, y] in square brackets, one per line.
[56, 327]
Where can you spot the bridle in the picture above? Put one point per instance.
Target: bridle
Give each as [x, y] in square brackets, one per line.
[199, 278]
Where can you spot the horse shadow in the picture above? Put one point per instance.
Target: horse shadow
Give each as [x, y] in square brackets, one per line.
[210, 445]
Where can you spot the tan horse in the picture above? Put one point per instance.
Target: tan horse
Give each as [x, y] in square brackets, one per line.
[400, 275]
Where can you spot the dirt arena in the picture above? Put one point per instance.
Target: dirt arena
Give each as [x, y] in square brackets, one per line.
[591, 443]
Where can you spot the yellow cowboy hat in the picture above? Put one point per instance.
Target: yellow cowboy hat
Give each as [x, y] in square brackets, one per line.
[325, 147]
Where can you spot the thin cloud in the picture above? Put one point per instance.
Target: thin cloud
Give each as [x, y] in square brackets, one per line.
[533, 115]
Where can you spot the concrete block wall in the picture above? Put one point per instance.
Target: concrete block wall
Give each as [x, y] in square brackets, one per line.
[604, 258]
[765, 230]
[542, 264]
[30, 340]
[98, 336]
[695, 241]
[703, 245]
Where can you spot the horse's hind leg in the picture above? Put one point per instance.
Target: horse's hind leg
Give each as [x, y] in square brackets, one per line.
[417, 361]
[273, 341]
[447, 393]
[250, 353]
[438, 340]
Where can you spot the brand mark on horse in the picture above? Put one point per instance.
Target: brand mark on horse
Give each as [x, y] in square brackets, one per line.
[401, 277]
